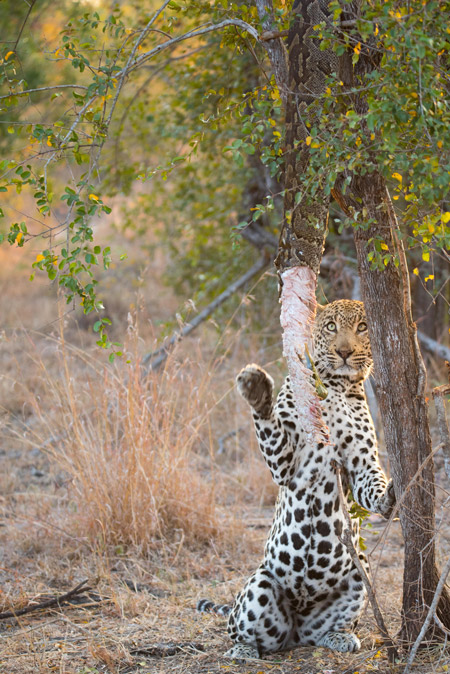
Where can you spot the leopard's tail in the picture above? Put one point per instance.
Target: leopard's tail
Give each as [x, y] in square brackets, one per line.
[207, 606]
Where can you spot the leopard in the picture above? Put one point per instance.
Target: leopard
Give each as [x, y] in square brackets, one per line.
[308, 591]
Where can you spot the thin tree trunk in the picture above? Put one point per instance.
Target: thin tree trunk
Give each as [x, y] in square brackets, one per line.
[403, 408]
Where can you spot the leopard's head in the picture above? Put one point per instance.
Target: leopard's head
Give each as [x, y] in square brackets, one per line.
[341, 340]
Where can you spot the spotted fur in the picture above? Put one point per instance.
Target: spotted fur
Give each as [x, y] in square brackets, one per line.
[307, 590]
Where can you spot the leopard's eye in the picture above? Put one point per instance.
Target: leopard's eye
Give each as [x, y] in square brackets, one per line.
[362, 327]
[331, 326]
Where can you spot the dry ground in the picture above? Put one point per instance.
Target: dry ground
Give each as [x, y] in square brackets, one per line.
[139, 613]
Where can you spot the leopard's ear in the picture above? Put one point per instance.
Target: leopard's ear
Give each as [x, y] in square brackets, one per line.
[320, 308]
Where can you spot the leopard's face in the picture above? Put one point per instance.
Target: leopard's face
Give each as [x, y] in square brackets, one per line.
[341, 340]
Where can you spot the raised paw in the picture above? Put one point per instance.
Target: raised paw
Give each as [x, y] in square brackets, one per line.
[343, 642]
[240, 653]
[256, 387]
[387, 502]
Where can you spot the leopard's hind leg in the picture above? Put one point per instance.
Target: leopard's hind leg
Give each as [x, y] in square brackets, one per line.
[329, 622]
[261, 620]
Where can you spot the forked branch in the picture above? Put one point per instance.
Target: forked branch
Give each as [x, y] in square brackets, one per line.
[47, 603]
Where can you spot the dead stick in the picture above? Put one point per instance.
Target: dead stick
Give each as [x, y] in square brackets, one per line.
[160, 355]
[46, 604]
[430, 614]
[347, 540]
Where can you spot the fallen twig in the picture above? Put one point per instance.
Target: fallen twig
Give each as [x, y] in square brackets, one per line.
[54, 601]
[347, 540]
[163, 650]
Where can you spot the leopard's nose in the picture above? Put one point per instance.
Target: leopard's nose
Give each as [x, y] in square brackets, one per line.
[344, 353]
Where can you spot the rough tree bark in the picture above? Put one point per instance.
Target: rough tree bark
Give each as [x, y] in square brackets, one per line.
[400, 377]
[399, 371]
[305, 220]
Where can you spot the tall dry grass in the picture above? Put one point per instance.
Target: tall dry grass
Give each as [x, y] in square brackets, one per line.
[136, 451]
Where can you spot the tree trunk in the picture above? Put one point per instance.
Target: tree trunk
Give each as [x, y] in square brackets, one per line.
[399, 374]
[305, 219]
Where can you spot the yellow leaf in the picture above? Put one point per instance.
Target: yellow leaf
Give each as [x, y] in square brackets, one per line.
[94, 197]
[426, 257]
[328, 91]
[377, 30]
[440, 144]
[358, 141]
[49, 142]
[19, 237]
[308, 140]
[40, 257]
[398, 177]
[372, 136]
[8, 55]
[357, 48]
[429, 278]
[396, 197]
[315, 144]
[416, 271]
[445, 217]
[431, 228]
[384, 246]
[378, 654]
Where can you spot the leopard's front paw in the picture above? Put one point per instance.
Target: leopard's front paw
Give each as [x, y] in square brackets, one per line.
[256, 387]
[387, 501]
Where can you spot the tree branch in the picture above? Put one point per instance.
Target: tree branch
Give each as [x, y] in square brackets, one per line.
[196, 32]
[32, 91]
[430, 614]
[160, 355]
[54, 601]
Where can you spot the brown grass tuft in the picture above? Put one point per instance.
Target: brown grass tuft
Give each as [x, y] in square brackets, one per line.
[134, 449]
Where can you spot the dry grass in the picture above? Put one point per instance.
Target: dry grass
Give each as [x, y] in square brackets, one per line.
[136, 451]
[119, 479]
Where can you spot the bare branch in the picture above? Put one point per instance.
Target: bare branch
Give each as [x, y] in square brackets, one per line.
[160, 355]
[127, 68]
[273, 35]
[430, 614]
[23, 24]
[33, 91]
[347, 540]
[433, 347]
[196, 32]
[54, 601]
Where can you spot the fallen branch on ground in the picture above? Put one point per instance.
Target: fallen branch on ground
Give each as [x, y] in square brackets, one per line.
[54, 601]
[163, 650]
[347, 540]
